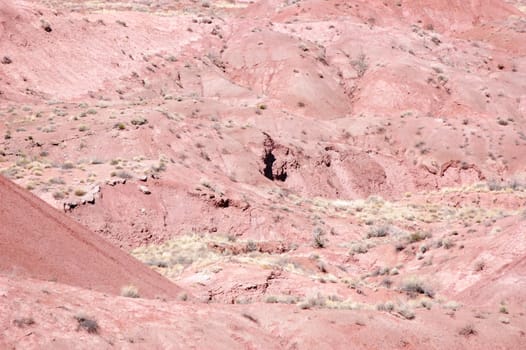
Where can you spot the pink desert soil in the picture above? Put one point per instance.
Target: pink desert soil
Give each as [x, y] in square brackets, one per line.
[40, 242]
[268, 174]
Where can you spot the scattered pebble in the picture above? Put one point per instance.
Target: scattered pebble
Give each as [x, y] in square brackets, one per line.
[144, 190]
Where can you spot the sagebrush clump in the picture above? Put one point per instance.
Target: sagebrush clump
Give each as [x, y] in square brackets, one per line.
[414, 286]
[87, 323]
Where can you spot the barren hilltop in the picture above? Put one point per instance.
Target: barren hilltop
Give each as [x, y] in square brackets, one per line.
[293, 174]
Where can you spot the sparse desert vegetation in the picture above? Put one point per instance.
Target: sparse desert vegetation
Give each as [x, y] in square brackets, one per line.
[130, 291]
[414, 286]
[87, 323]
[262, 174]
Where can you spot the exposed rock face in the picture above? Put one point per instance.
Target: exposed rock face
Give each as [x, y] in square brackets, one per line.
[278, 160]
[145, 189]
[354, 169]
[333, 170]
[90, 197]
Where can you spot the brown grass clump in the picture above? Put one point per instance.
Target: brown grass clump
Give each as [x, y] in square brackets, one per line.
[378, 231]
[319, 240]
[24, 321]
[315, 301]
[79, 193]
[467, 330]
[414, 286]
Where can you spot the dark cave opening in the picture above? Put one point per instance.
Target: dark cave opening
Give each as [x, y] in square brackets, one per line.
[269, 160]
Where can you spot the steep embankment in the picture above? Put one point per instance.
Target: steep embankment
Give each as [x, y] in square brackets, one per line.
[40, 242]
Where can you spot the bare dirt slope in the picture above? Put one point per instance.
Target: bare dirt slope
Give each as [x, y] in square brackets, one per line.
[125, 323]
[38, 241]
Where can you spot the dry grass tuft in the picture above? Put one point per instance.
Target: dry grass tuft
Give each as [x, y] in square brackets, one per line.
[414, 286]
[130, 291]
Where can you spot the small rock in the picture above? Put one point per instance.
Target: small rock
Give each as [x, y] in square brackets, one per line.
[113, 182]
[143, 178]
[6, 60]
[139, 121]
[88, 198]
[68, 206]
[46, 26]
[144, 190]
